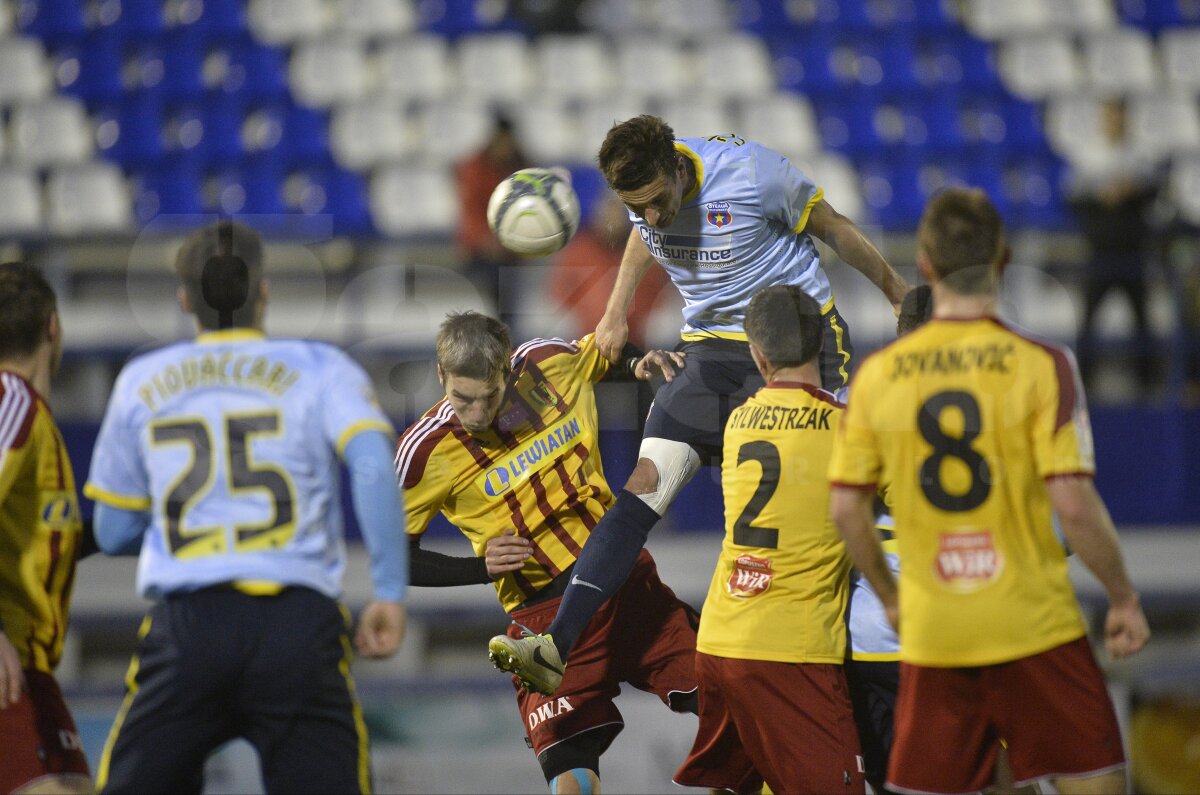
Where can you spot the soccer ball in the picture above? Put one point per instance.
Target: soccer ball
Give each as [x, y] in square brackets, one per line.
[534, 211]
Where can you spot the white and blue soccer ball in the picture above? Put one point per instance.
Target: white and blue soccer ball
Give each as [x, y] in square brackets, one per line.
[534, 211]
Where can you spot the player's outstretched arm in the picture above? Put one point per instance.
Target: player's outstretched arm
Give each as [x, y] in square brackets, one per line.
[613, 329]
[380, 513]
[853, 513]
[848, 242]
[1090, 533]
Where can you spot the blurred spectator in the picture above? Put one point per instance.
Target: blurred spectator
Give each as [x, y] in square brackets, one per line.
[475, 178]
[1113, 187]
[582, 275]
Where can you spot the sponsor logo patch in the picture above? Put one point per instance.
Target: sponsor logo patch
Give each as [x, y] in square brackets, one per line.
[548, 710]
[968, 561]
[750, 577]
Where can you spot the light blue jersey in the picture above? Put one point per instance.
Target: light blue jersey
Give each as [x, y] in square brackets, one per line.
[871, 635]
[741, 231]
[231, 443]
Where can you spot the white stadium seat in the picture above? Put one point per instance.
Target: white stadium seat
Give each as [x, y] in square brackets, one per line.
[783, 121]
[415, 68]
[91, 198]
[452, 129]
[549, 132]
[495, 66]
[24, 73]
[1036, 66]
[1073, 123]
[575, 66]
[734, 65]
[596, 118]
[327, 71]
[21, 210]
[692, 118]
[368, 133]
[837, 179]
[1180, 52]
[693, 17]
[50, 132]
[413, 201]
[653, 67]
[1120, 61]
[1081, 15]
[287, 21]
[1161, 124]
[999, 19]
[376, 18]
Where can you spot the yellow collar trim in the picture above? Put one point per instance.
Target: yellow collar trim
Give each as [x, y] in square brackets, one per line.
[229, 335]
[687, 152]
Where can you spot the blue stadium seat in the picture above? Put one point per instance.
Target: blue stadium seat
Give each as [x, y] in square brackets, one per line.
[1155, 15]
[802, 62]
[306, 133]
[346, 193]
[934, 16]
[182, 52]
[1034, 190]
[219, 19]
[130, 132]
[132, 19]
[766, 18]
[254, 72]
[898, 57]
[53, 21]
[848, 127]
[589, 185]
[959, 60]
[90, 68]
[1026, 127]
[166, 191]
[455, 18]
[892, 192]
[941, 113]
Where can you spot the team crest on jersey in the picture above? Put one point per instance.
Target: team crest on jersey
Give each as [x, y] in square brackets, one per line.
[543, 394]
[968, 561]
[750, 576]
[718, 214]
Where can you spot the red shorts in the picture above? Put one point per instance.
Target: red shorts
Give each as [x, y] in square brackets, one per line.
[38, 736]
[644, 635]
[791, 723]
[1052, 710]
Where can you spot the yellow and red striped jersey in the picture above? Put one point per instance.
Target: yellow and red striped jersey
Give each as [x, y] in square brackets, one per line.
[537, 470]
[965, 420]
[39, 525]
[781, 584]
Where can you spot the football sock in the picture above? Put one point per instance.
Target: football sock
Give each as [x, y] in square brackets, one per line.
[604, 563]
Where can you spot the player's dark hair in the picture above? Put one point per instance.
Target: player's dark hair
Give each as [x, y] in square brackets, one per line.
[636, 152]
[220, 267]
[784, 323]
[915, 309]
[471, 345]
[26, 303]
[962, 235]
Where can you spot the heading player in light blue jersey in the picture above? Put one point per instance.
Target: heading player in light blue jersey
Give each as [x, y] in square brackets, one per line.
[219, 457]
[725, 218]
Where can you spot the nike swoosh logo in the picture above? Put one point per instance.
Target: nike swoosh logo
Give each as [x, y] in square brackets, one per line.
[542, 661]
[576, 581]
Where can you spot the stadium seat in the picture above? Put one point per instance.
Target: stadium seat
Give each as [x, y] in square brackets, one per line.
[90, 198]
[129, 19]
[348, 196]
[901, 64]
[838, 180]
[90, 68]
[765, 18]
[802, 63]
[783, 121]
[1034, 193]
[50, 132]
[455, 18]
[549, 131]
[182, 52]
[415, 68]
[369, 133]
[998, 19]
[452, 129]
[938, 16]
[1120, 61]
[733, 66]
[328, 70]
[253, 190]
[848, 127]
[655, 68]
[1038, 65]
[596, 118]
[210, 18]
[1178, 49]
[53, 21]
[892, 192]
[130, 132]
[945, 120]
[165, 192]
[574, 66]
[1183, 188]
[1162, 124]
[692, 18]
[287, 21]
[494, 67]
[375, 18]
[1024, 125]
[305, 136]
[21, 210]
[248, 70]
[694, 118]
[1080, 16]
[24, 72]
[413, 202]
[1158, 15]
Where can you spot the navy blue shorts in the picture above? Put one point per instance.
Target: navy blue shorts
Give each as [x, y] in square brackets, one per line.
[218, 664]
[873, 687]
[718, 377]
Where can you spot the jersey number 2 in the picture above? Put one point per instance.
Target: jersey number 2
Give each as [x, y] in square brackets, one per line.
[745, 533]
[945, 446]
[243, 473]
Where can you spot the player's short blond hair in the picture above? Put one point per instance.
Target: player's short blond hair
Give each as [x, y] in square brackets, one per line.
[962, 235]
[471, 345]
